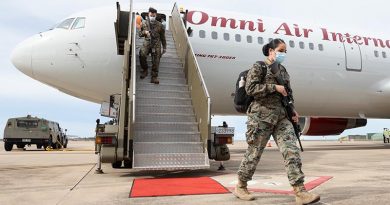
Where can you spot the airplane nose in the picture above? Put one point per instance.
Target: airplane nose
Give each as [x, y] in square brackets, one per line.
[21, 57]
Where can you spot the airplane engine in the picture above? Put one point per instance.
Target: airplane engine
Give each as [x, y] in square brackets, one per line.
[317, 126]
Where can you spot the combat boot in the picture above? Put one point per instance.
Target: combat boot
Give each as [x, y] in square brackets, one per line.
[242, 192]
[304, 197]
[155, 80]
[144, 73]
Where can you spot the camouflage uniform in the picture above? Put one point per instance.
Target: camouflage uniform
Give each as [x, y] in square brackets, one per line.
[266, 117]
[152, 45]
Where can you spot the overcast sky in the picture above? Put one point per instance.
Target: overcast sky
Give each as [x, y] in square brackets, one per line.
[20, 95]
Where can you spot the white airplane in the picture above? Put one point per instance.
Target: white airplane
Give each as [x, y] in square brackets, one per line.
[339, 79]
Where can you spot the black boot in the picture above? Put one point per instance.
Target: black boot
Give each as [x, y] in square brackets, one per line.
[144, 73]
[155, 80]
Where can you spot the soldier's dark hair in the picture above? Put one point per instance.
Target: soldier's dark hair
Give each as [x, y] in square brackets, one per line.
[152, 10]
[272, 44]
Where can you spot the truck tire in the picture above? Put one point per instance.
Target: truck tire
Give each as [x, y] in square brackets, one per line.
[56, 145]
[116, 165]
[66, 144]
[222, 153]
[20, 146]
[127, 164]
[8, 146]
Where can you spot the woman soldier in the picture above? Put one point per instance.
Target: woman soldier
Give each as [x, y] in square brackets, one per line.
[266, 117]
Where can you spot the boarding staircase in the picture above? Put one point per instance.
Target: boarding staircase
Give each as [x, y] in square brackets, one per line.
[168, 124]
[166, 131]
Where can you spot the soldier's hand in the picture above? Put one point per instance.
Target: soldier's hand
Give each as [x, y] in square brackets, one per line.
[164, 51]
[280, 89]
[147, 33]
[295, 117]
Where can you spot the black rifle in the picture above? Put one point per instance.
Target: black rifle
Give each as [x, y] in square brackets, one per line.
[152, 39]
[287, 101]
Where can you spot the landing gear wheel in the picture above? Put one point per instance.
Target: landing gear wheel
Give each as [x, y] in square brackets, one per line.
[116, 165]
[8, 146]
[127, 164]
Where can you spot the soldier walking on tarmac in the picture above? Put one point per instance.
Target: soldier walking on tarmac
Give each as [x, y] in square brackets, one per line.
[267, 116]
[154, 34]
[386, 135]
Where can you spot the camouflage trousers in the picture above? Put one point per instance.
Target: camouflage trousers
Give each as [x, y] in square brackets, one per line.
[156, 55]
[257, 135]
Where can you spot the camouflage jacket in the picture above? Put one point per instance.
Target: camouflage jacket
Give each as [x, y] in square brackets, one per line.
[268, 102]
[157, 34]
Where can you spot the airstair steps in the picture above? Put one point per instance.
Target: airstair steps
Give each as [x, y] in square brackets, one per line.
[167, 80]
[164, 67]
[166, 59]
[167, 147]
[167, 74]
[167, 126]
[165, 117]
[166, 93]
[164, 108]
[172, 161]
[164, 101]
[162, 87]
[149, 136]
[166, 133]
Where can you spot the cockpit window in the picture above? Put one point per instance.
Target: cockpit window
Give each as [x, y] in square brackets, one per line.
[79, 23]
[66, 23]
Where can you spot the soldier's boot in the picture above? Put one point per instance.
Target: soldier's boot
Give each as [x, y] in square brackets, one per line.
[304, 197]
[144, 73]
[155, 80]
[242, 192]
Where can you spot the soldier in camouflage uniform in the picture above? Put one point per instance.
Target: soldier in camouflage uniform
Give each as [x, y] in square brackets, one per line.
[154, 34]
[266, 117]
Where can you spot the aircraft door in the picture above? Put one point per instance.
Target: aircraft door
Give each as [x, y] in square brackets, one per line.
[353, 57]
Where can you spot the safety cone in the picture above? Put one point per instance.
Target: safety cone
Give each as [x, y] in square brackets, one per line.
[269, 144]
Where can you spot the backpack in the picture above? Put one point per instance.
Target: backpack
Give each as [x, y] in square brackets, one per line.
[241, 99]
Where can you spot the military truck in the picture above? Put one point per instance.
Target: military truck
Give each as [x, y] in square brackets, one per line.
[29, 130]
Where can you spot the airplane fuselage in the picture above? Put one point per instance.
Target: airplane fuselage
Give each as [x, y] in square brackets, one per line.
[333, 74]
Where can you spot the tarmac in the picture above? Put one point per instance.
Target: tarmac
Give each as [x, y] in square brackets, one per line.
[355, 173]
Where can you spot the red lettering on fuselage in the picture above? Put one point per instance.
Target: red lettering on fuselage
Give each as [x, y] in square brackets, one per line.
[200, 18]
[377, 42]
[204, 18]
[284, 27]
[223, 22]
[251, 24]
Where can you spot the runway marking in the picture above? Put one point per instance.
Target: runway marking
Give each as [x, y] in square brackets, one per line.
[253, 182]
[71, 189]
[309, 186]
[272, 183]
[44, 167]
[83, 177]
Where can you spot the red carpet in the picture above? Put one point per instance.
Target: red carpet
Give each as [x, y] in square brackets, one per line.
[175, 186]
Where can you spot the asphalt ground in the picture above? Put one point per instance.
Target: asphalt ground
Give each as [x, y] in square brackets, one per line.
[359, 171]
